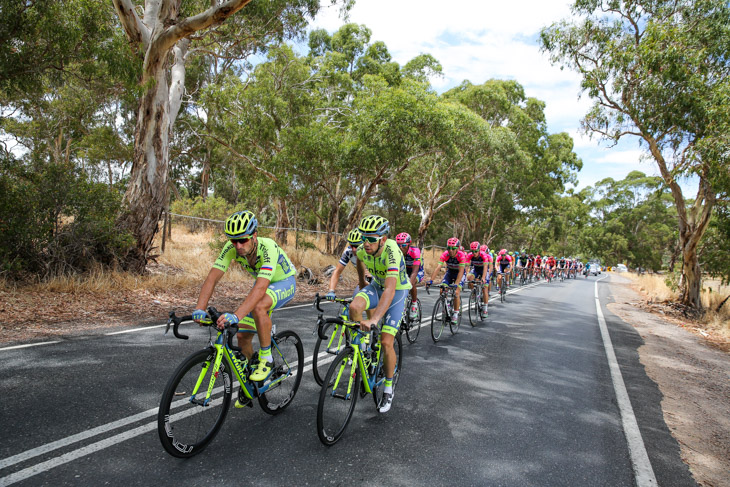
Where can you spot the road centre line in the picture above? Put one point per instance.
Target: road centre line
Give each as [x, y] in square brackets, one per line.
[643, 472]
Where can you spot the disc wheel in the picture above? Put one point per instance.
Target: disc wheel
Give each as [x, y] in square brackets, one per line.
[438, 322]
[187, 422]
[379, 387]
[414, 326]
[326, 350]
[288, 355]
[338, 397]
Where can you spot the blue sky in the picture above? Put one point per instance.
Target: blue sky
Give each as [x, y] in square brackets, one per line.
[482, 39]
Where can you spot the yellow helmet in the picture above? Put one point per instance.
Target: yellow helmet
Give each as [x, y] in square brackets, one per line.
[240, 224]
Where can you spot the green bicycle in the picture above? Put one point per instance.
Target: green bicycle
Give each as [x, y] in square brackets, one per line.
[357, 370]
[196, 399]
[336, 337]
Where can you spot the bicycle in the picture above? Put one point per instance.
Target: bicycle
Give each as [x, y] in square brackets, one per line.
[444, 306]
[411, 327]
[502, 286]
[356, 371]
[477, 306]
[204, 374]
[561, 274]
[336, 337]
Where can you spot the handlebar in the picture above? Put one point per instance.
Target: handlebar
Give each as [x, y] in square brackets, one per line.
[230, 330]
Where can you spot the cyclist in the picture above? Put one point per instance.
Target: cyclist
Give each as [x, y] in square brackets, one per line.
[480, 260]
[550, 266]
[503, 266]
[354, 240]
[523, 264]
[386, 293]
[414, 267]
[538, 266]
[274, 287]
[562, 266]
[455, 262]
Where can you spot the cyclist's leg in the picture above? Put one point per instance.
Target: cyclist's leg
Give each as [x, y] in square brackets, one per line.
[391, 322]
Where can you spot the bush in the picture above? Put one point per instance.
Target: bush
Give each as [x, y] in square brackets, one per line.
[55, 221]
[213, 208]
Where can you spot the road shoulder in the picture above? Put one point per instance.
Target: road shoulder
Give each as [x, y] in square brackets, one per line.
[694, 381]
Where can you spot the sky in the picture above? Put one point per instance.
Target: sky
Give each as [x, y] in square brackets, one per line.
[478, 40]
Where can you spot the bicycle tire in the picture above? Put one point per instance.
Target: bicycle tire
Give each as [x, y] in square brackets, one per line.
[473, 308]
[334, 409]
[378, 391]
[193, 426]
[437, 324]
[414, 326]
[320, 365]
[502, 291]
[288, 355]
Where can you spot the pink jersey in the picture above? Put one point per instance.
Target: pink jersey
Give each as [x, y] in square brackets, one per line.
[506, 257]
[413, 257]
[480, 259]
[453, 263]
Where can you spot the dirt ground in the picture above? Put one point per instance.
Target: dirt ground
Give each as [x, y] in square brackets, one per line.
[692, 373]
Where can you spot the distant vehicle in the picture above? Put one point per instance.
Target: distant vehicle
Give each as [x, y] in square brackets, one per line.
[595, 265]
[621, 268]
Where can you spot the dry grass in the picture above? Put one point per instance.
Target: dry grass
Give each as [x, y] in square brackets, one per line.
[713, 321]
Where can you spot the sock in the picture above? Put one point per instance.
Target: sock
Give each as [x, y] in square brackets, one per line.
[388, 385]
[265, 354]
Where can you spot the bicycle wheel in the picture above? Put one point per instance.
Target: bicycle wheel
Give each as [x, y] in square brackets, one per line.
[288, 355]
[473, 307]
[438, 322]
[379, 387]
[329, 348]
[338, 397]
[195, 422]
[502, 291]
[455, 326]
[414, 326]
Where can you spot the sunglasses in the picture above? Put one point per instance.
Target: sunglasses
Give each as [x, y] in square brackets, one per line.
[371, 239]
[453, 248]
[404, 245]
[242, 240]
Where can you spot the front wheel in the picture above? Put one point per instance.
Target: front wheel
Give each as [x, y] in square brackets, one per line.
[338, 397]
[438, 322]
[454, 326]
[379, 387]
[196, 420]
[473, 309]
[326, 350]
[288, 355]
[414, 325]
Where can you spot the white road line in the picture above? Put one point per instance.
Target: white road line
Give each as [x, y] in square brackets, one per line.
[29, 345]
[643, 472]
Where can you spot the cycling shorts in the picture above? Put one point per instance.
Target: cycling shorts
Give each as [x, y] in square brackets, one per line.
[503, 267]
[391, 322]
[477, 272]
[280, 292]
[450, 278]
[419, 276]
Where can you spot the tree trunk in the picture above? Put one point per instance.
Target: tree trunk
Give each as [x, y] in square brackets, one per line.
[282, 221]
[145, 196]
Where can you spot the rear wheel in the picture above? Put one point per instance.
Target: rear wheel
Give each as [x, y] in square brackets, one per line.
[379, 387]
[438, 322]
[338, 397]
[196, 420]
[288, 355]
[414, 325]
[473, 309]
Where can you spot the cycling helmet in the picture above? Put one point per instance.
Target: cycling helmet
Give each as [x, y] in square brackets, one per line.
[374, 225]
[403, 238]
[354, 237]
[240, 224]
[484, 248]
[452, 242]
[538, 256]
[503, 251]
[474, 246]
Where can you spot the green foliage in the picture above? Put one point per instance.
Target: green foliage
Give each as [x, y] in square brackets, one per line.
[716, 245]
[67, 226]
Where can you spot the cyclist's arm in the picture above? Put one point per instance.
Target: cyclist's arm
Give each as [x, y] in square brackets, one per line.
[335, 278]
[462, 269]
[414, 274]
[208, 286]
[361, 274]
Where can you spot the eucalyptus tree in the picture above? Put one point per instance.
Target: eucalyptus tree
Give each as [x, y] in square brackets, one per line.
[659, 71]
[162, 33]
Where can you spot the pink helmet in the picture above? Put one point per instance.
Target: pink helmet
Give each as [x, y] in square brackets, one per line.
[452, 242]
[474, 245]
[484, 248]
[402, 238]
[503, 251]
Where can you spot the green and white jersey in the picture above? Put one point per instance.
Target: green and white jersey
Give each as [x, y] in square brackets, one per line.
[272, 263]
[390, 264]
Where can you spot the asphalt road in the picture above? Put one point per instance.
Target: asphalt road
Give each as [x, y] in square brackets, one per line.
[525, 398]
